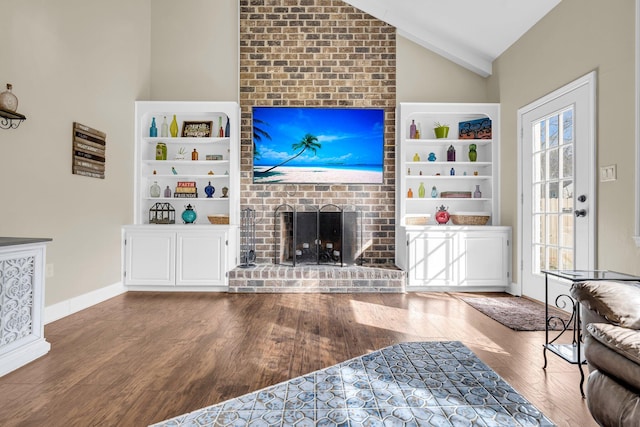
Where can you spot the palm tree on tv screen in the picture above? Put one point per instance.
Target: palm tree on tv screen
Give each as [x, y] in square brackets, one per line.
[309, 142]
[258, 134]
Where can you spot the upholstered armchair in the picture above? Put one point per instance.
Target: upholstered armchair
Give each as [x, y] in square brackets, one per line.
[611, 331]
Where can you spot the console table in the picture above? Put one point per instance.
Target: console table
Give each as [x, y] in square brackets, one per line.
[22, 262]
[572, 353]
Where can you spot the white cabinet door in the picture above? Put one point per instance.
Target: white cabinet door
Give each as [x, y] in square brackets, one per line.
[150, 258]
[431, 259]
[455, 258]
[201, 258]
[483, 259]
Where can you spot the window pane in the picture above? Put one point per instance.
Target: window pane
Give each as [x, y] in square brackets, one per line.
[554, 164]
[539, 229]
[536, 137]
[539, 262]
[538, 198]
[552, 200]
[566, 236]
[553, 131]
[567, 127]
[567, 161]
[552, 254]
[567, 196]
[552, 229]
[543, 135]
[566, 259]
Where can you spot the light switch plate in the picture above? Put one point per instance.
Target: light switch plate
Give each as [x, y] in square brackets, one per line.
[608, 173]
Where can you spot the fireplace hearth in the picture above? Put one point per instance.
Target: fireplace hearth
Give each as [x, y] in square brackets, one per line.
[311, 235]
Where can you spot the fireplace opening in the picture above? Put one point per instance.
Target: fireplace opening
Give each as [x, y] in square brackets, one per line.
[310, 235]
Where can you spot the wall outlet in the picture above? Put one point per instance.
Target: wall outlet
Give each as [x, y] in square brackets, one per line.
[608, 173]
[48, 270]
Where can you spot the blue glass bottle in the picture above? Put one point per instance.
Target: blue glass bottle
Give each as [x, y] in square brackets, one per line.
[153, 130]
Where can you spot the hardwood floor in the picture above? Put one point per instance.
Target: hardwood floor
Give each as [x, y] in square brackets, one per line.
[141, 358]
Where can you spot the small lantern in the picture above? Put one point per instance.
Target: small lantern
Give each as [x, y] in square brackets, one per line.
[162, 213]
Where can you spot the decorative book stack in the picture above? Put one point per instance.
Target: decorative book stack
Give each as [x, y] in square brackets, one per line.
[186, 190]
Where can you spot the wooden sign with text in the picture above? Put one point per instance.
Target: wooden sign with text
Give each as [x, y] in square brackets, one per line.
[89, 149]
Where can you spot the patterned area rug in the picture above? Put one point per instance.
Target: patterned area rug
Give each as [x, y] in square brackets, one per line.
[518, 313]
[409, 384]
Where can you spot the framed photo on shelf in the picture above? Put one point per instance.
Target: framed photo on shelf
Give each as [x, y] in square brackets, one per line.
[197, 129]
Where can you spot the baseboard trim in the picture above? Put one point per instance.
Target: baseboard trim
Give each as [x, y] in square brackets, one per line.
[73, 305]
[514, 289]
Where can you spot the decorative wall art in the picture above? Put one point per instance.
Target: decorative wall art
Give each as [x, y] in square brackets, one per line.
[475, 129]
[88, 151]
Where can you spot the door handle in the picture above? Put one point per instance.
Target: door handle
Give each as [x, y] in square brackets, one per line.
[580, 212]
[582, 198]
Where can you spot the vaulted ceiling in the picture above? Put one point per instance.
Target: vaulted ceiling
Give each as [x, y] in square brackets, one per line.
[471, 33]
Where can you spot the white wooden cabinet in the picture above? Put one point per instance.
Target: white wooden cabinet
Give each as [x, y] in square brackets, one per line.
[458, 258]
[449, 257]
[22, 266]
[168, 258]
[179, 256]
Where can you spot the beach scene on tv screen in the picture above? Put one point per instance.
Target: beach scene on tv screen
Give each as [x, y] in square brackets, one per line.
[318, 145]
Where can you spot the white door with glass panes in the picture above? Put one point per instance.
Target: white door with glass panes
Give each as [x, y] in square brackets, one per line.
[557, 186]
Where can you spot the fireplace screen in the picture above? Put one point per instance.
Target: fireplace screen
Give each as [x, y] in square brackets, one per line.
[310, 235]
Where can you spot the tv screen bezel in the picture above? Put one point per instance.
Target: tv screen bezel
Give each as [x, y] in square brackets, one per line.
[377, 170]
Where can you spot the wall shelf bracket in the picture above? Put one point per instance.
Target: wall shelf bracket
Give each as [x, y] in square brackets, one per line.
[10, 119]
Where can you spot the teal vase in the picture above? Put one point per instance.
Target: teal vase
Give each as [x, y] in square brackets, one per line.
[189, 215]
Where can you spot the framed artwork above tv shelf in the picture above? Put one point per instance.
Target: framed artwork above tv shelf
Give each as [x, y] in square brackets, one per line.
[434, 173]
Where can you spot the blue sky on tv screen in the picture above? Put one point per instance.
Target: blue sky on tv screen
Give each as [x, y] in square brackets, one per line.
[348, 136]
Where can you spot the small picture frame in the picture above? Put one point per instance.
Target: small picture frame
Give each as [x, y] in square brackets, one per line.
[192, 129]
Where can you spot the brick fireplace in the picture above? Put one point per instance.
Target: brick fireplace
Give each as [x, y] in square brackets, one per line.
[318, 53]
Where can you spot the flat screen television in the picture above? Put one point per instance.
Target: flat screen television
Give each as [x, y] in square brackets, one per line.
[318, 145]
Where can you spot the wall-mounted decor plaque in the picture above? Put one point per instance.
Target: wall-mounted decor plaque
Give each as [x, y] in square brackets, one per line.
[89, 148]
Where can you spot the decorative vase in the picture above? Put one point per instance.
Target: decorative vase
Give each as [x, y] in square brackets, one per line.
[410, 194]
[227, 128]
[8, 101]
[473, 154]
[452, 172]
[441, 132]
[194, 154]
[209, 190]
[451, 154]
[189, 215]
[442, 216]
[154, 190]
[225, 190]
[153, 130]
[174, 127]
[164, 128]
[432, 157]
[416, 157]
[167, 192]
[477, 194]
[434, 192]
[412, 130]
[220, 128]
[421, 190]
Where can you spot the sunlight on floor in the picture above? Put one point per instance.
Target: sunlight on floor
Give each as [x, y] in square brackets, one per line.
[417, 323]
